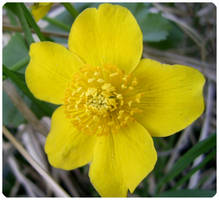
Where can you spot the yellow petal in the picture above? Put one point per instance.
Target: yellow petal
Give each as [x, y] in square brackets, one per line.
[51, 67]
[65, 146]
[39, 10]
[122, 160]
[107, 35]
[105, 173]
[172, 97]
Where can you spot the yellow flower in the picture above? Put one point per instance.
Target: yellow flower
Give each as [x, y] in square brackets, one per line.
[39, 10]
[112, 101]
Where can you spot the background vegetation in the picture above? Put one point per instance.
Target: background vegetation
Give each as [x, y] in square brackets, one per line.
[182, 33]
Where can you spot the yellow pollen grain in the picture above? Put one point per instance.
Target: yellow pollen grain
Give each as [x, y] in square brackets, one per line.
[91, 80]
[114, 74]
[130, 88]
[123, 86]
[130, 103]
[125, 78]
[100, 80]
[96, 73]
[119, 96]
[134, 82]
[79, 89]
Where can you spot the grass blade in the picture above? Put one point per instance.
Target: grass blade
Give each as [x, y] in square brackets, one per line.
[187, 193]
[200, 148]
[71, 9]
[24, 24]
[208, 158]
[32, 22]
[57, 23]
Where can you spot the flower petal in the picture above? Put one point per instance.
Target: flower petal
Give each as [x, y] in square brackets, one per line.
[121, 161]
[172, 97]
[105, 173]
[67, 148]
[51, 67]
[39, 10]
[107, 35]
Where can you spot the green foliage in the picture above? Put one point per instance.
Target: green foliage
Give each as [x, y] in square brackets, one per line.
[32, 23]
[155, 28]
[15, 51]
[187, 193]
[11, 116]
[208, 158]
[185, 160]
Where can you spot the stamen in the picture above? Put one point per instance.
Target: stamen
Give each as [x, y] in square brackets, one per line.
[91, 80]
[123, 86]
[103, 107]
[100, 80]
[114, 74]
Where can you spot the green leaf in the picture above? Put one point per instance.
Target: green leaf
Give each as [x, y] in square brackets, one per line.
[155, 28]
[15, 51]
[200, 148]
[172, 41]
[11, 116]
[11, 16]
[187, 193]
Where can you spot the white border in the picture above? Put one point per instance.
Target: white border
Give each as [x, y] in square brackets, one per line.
[2, 2]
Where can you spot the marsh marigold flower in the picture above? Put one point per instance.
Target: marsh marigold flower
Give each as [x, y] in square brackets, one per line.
[39, 10]
[112, 101]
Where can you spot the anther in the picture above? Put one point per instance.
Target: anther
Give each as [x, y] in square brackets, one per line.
[138, 97]
[119, 96]
[134, 82]
[91, 80]
[114, 74]
[100, 80]
[130, 88]
[123, 86]
[96, 73]
[125, 78]
[130, 103]
[79, 89]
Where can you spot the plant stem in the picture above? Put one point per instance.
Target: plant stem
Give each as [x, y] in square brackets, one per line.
[24, 24]
[57, 23]
[32, 22]
[71, 9]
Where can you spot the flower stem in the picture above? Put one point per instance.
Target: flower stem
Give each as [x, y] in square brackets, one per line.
[32, 22]
[57, 23]
[71, 9]
[24, 24]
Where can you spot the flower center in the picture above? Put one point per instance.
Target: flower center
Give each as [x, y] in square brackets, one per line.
[101, 100]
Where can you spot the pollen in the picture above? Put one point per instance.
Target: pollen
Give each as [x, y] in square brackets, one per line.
[101, 100]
